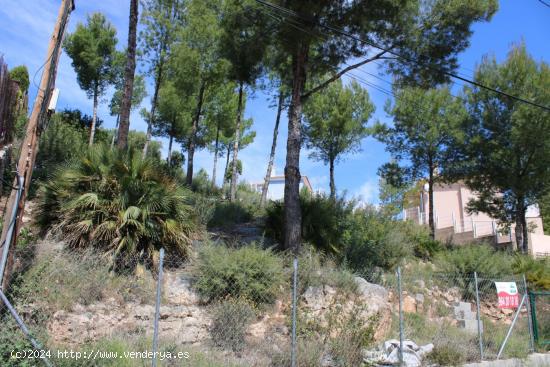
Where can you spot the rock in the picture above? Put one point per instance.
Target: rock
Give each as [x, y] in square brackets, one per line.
[370, 300]
[419, 297]
[409, 304]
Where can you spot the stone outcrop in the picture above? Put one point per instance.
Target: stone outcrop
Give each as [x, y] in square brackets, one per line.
[184, 319]
[370, 303]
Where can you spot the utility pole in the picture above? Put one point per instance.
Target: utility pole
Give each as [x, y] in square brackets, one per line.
[29, 147]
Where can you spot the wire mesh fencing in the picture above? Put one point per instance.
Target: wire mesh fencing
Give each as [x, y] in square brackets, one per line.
[85, 311]
[540, 309]
[460, 319]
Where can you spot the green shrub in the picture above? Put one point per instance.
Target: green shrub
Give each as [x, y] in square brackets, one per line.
[446, 355]
[12, 339]
[119, 204]
[460, 263]
[316, 269]
[249, 273]
[229, 324]
[310, 353]
[375, 241]
[537, 271]
[324, 221]
[227, 214]
[57, 281]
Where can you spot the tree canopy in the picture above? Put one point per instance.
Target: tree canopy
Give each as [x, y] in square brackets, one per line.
[336, 122]
[506, 150]
[426, 123]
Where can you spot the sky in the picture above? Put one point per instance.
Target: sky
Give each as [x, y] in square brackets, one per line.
[26, 26]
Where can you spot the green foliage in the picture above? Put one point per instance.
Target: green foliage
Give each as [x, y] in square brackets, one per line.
[446, 355]
[425, 124]
[12, 339]
[376, 242]
[317, 269]
[323, 221]
[229, 324]
[427, 248]
[537, 271]
[243, 210]
[21, 75]
[54, 150]
[226, 214]
[57, 281]
[460, 263]
[503, 130]
[248, 273]
[365, 239]
[336, 122]
[92, 50]
[120, 204]
[138, 94]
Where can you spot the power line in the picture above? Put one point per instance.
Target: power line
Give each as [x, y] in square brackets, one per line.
[391, 52]
[544, 3]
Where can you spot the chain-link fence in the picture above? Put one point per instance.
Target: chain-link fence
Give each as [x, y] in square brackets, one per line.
[459, 318]
[540, 308]
[234, 307]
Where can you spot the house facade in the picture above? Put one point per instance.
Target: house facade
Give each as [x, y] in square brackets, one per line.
[453, 222]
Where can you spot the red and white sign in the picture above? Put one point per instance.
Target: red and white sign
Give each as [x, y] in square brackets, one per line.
[508, 296]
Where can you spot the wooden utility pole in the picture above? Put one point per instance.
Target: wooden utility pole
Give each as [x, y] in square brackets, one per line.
[29, 147]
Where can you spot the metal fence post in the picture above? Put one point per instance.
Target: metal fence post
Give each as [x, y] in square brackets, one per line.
[293, 351]
[529, 320]
[479, 327]
[36, 345]
[157, 309]
[511, 326]
[400, 316]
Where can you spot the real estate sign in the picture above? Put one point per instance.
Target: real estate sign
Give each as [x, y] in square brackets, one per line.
[508, 296]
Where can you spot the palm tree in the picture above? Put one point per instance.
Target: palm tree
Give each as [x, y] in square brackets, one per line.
[120, 204]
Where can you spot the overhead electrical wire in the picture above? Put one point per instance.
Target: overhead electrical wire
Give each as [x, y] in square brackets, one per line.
[396, 54]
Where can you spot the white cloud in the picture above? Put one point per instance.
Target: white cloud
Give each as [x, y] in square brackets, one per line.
[368, 192]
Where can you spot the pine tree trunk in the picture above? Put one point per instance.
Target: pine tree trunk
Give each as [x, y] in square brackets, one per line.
[521, 227]
[332, 184]
[226, 165]
[94, 118]
[129, 73]
[292, 212]
[525, 247]
[193, 137]
[431, 221]
[115, 133]
[267, 178]
[216, 147]
[233, 185]
[169, 158]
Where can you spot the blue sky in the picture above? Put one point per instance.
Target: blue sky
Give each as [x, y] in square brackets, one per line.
[26, 26]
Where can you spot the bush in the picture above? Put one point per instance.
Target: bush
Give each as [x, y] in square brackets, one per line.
[537, 271]
[226, 214]
[324, 221]
[120, 204]
[248, 273]
[57, 281]
[375, 241]
[316, 269]
[229, 324]
[460, 263]
[463, 261]
[446, 355]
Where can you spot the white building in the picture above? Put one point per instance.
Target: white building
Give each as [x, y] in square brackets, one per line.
[276, 188]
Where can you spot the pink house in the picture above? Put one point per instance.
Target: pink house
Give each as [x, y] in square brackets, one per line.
[453, 222]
